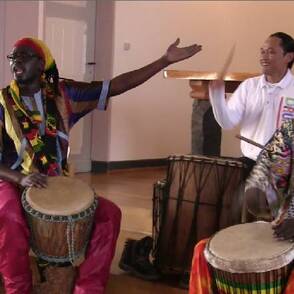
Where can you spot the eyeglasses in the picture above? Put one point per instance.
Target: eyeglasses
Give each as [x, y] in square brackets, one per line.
[23, 56]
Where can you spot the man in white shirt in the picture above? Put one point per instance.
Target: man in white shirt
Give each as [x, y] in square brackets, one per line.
[262, 103]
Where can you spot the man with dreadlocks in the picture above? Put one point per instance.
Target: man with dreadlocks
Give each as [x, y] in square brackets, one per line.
[37, 112]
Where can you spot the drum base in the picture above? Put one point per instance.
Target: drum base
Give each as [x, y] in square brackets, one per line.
[58, 279]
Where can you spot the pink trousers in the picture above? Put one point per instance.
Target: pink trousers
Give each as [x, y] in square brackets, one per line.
[93, 273]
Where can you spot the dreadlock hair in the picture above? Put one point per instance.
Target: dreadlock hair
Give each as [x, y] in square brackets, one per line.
[52, 78]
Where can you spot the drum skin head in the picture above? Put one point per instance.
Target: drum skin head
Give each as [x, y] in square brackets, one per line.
[63, 196]
[247, 248]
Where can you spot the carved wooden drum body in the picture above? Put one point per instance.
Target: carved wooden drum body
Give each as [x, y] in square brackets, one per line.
[60, 218]
[247, 259]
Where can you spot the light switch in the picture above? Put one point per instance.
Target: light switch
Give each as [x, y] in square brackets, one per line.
[127, 46]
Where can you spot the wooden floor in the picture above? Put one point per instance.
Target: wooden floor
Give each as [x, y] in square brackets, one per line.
[132, 191]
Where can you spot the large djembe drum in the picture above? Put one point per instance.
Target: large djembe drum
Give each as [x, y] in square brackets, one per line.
[192, 203]
[60, 218]
[247, 258]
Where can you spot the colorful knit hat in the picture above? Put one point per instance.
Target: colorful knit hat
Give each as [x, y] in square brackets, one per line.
[42, 50]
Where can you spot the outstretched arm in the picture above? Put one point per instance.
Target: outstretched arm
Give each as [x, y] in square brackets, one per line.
[132, 79]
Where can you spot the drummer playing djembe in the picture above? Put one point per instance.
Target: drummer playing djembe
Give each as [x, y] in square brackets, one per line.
[271, 183]
[36, 113]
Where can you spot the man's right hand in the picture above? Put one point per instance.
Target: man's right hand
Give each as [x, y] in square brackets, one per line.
[33, 180]
[257, 204]
[175, 54]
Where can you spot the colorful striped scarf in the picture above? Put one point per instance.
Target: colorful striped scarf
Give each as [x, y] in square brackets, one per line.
[44, 147]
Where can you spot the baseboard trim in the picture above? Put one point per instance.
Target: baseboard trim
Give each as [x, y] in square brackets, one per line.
[105, 166]
[80, 165]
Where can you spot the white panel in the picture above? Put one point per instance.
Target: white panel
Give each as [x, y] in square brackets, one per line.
[70, 54]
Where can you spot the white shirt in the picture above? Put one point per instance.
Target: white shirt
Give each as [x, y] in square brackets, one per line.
[258, 106]
[38, 101]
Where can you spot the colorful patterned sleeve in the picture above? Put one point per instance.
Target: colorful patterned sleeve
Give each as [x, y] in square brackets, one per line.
[82, 97]
[273, 169]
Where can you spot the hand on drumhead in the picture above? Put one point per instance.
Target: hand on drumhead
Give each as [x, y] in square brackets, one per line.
[175, 54]
[285, 230]
[34, 180]
[255, 200]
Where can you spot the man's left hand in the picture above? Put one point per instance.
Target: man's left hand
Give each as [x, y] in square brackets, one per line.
[285, 231]
[175, 54]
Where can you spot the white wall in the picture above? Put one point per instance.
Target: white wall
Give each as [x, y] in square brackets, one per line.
[103, 71]
[153, 120]
[20, 20]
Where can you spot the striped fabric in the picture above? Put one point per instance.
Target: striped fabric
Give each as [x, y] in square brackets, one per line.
[272, 282]
[200, 280]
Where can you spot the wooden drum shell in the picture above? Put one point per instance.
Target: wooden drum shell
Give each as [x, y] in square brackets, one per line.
[60, 218]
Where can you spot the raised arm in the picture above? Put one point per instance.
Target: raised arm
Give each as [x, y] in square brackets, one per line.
[132, 79]
[227, 112]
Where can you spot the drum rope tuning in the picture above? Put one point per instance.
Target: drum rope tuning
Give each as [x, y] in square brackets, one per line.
[71, 241]
[73, 250]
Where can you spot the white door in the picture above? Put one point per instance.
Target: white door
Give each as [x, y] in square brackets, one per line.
[68, 28]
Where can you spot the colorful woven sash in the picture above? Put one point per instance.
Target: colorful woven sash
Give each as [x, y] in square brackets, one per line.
[44, 147]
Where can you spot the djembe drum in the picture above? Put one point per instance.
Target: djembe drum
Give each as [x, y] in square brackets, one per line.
[247, 259]
[192, 203]
[60, 218]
